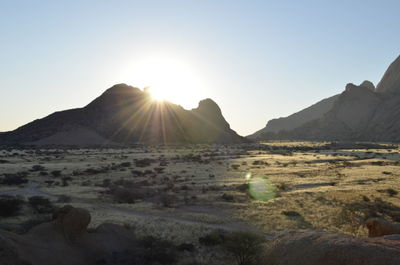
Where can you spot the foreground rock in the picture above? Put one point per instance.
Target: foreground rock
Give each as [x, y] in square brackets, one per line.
[378, 227]
[309, 247]
[51, 243]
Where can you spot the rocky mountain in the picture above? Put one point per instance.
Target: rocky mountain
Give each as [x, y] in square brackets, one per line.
[391, 79]
[297, 119]
[360, 113]
[124, 115]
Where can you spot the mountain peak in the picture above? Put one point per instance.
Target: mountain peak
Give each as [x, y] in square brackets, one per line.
[368, 84]
[125, 115]
[390, 81]
[121, 89]
[208, 103]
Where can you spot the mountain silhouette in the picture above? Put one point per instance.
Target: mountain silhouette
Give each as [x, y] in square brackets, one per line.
[360, 113]
[126, 115]
[297, 119]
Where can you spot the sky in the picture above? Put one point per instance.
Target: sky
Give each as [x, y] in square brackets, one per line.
[258, 60]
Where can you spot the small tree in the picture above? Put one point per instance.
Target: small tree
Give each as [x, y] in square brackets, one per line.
[246, 247]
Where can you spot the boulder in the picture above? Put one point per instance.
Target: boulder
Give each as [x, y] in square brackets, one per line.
[73, 221]
[310, 247]
[49, 243]
[378, 227]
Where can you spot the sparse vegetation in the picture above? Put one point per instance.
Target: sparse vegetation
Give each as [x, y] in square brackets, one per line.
[246, 247]
[194, 188]
[41, 204]
[10, 205]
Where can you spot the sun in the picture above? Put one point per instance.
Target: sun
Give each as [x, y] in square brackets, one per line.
[168, 79]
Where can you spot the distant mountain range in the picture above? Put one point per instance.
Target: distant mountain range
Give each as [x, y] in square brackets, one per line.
[126, 115]
[360, 113]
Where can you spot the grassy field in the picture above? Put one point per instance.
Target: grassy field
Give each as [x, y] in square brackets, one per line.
[181, 193]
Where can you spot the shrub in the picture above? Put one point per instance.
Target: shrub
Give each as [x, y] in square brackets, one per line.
[148, 251]
[243, 187]
[186, 247]
[65, 181]
[228, 197]
[126, 195]
[63, 198]
[10, 205]
[156, 251]
[159, 170]
[235, 166]
[41, 204]
[56, 173]
[145, 162]
[37, 168]
[167, 200]
[291, 213]
[125, 164]
[246, 247]
[392, 192]
[212, 239]
[15, 179]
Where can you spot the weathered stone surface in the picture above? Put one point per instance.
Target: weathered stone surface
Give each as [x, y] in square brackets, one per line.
[378, 227]
[46, 244]
[309, 247]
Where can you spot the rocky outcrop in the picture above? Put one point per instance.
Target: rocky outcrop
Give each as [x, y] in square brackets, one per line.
[360, 113]
[127, 115]
[378, 227]
[390, 81]
[46, 244]
[73, 221]
[316, 111]
[310, 247]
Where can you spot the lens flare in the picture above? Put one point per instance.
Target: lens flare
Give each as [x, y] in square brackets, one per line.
[247, 177]
[262, 189]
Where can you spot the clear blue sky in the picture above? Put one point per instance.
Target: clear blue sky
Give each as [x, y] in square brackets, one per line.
[257, 59]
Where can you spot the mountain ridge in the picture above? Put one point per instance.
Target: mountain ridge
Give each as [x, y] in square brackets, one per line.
[360, 113]
[126, 115]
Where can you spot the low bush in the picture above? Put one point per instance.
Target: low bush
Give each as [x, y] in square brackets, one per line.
[126, 195]
[56, 173]
[10, 205]
[213, 239]
[228, 197]
[145, 162]
[186, 247]
[245, 247]
[148, 251]
[41, 204]
[235, 166]
[63, 198]
[156, 251]
[14, 178]
[291, 213]
[37, 168]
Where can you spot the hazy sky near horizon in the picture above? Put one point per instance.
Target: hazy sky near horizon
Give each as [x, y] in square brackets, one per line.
[257, 59]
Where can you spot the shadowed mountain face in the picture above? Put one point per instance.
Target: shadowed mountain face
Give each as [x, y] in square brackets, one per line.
[297, 119]
[360, 113]
[125, 115]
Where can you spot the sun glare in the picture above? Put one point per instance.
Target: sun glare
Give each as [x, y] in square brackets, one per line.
[168, 79]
